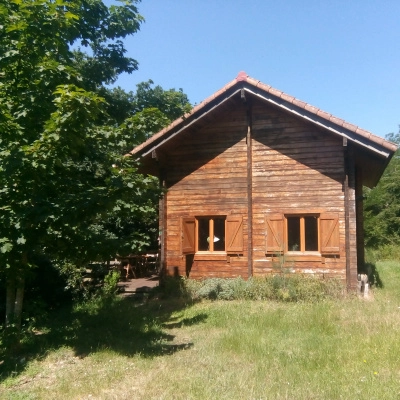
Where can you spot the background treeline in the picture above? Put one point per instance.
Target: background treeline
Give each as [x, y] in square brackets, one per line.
[382, 210]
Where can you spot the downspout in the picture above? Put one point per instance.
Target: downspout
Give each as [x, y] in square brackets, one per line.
[360, 222]
[346, 210]
[350, 217]
[249, 187]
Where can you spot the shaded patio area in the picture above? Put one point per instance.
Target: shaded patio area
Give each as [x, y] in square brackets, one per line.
[137, 286]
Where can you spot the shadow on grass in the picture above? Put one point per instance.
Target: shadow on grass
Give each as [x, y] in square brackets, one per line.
[373, 275]
[125, 326]
[186, 322]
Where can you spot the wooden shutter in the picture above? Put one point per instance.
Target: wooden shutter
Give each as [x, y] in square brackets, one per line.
[234, 234]
[274, 231]
[329, 233]
[188, 235]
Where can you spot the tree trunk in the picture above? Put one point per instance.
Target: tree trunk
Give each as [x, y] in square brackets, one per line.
[10, 301]
[15, 296]
[14, 301]
[19, 298]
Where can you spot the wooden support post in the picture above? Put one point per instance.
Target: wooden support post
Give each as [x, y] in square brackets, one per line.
[249, 192]
[346, 210]
[162, 226]
[360, 223]
[350, 217]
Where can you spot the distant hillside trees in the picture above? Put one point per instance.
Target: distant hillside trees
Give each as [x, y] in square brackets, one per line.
[382, 205]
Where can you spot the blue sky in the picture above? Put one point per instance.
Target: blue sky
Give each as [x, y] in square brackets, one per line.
[341, 56]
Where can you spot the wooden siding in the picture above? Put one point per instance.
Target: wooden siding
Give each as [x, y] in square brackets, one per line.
[296, 168]
[206, 177]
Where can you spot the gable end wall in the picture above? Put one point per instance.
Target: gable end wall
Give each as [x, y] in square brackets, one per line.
[296, 168]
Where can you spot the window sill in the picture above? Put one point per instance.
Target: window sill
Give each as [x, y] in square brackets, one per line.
[303, 256]
[210, 256]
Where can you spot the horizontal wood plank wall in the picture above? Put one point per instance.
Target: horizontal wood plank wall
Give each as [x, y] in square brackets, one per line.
[206, 175]
[297, 168]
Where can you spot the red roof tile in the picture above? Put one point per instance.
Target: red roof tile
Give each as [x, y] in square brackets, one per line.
[242, 77]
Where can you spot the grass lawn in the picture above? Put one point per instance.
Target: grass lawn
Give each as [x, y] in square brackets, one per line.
[336, 349]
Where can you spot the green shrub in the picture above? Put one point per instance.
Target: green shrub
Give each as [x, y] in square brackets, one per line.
[174, 287]
[382, 253]
[110, 284]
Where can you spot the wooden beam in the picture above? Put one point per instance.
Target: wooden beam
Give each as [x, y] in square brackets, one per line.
[360, 222]
[346, 210]
[350, 217]
[162, 226]
[249, 191]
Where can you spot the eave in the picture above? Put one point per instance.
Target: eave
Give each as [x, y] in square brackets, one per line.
[379, 149]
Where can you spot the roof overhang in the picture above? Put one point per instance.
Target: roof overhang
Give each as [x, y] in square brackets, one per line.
[186, 123]
[361, 140]
[372, 148]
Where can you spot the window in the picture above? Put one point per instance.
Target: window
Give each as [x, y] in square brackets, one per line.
[212, 234]
[302, 233]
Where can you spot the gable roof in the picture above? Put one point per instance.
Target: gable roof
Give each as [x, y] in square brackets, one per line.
[373, 145]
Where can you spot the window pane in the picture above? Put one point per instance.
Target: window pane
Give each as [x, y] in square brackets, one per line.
[293, 233]
[219, 234]
[204, 233]
[311, 227]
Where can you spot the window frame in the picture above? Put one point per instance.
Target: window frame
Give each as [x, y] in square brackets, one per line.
[211, 234]
[302, 237]
[330, 241]
[233, 235]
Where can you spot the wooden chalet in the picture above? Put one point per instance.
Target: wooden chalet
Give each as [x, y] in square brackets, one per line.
[257, 180]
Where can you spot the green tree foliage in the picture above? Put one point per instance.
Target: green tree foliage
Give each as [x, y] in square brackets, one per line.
[122, 105]
[143, 113]
[61, 169]
[382, 205]
[172, 103]
[138, 116]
